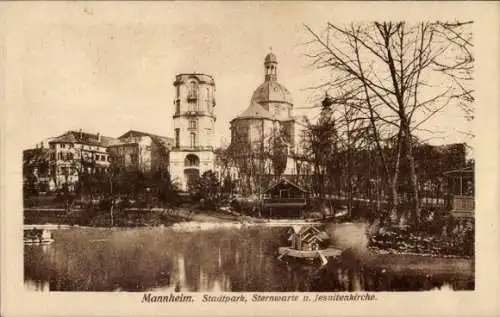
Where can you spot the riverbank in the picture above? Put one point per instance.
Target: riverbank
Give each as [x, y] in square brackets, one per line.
[458, 243]
[93, 216]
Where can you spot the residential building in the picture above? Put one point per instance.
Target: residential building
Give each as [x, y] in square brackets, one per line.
[77, 152]
[140, 151]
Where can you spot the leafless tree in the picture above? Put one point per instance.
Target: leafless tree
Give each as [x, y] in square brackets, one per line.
[260, 158]
[459, 65]
[390, 68]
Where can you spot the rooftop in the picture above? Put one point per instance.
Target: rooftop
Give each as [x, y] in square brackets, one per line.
[85, 138]
[255, 111]
[163, 141]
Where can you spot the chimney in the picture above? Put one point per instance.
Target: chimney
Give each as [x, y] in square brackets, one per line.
[98, 137]
[81, 133]
[41, 144]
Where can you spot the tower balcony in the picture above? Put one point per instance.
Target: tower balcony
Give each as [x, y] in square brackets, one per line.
[194, 112]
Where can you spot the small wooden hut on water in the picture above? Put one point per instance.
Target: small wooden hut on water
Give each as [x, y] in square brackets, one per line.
[309, 243]
[307, 238]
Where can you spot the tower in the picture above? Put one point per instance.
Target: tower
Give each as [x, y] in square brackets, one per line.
[194, 119]
[271, 67]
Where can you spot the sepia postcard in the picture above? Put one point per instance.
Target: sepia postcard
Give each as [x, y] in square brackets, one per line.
[249, 158]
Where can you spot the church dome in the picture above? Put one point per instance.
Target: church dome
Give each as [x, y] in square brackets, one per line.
[270, 58]
[272, 91]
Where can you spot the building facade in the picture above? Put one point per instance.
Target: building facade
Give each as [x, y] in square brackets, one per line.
[141, 151]
[266, 137]
[194, 119]
[74, 153]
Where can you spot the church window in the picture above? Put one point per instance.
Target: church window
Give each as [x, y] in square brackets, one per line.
[193, 139]
[177, 137]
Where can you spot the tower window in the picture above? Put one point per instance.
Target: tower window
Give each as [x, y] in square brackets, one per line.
[177, 137]
[207, 101]
[177, 106]
[191, 160]
[193, 139]
[193, 91]
[193, 124]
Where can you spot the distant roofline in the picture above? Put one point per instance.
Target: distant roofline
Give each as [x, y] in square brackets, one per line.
[97, 135]
[145, 133]
[194, 74]
[275, 101]
[210, 81]
[254, 117]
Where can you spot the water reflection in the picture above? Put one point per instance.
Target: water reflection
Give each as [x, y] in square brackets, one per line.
[209, 261]
[40, 286]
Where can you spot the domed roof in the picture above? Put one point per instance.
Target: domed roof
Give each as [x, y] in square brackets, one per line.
[270, 58]
[272, 91]
[255, 111]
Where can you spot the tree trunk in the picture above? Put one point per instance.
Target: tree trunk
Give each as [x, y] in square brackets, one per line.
[349, 184]
[394, 202]
[415, 212]
[111, 213]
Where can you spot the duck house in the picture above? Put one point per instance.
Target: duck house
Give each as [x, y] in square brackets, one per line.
[308, 242]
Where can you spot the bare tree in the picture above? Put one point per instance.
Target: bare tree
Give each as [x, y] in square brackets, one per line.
[259, 158]
[390, 69]
[459, 66]
[321, 145]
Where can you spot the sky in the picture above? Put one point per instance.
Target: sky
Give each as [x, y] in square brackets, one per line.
[109, 69]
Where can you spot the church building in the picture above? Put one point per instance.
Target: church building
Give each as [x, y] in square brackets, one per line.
[194, 117]
[267, 136]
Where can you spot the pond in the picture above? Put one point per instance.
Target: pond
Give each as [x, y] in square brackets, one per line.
[225, 259]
